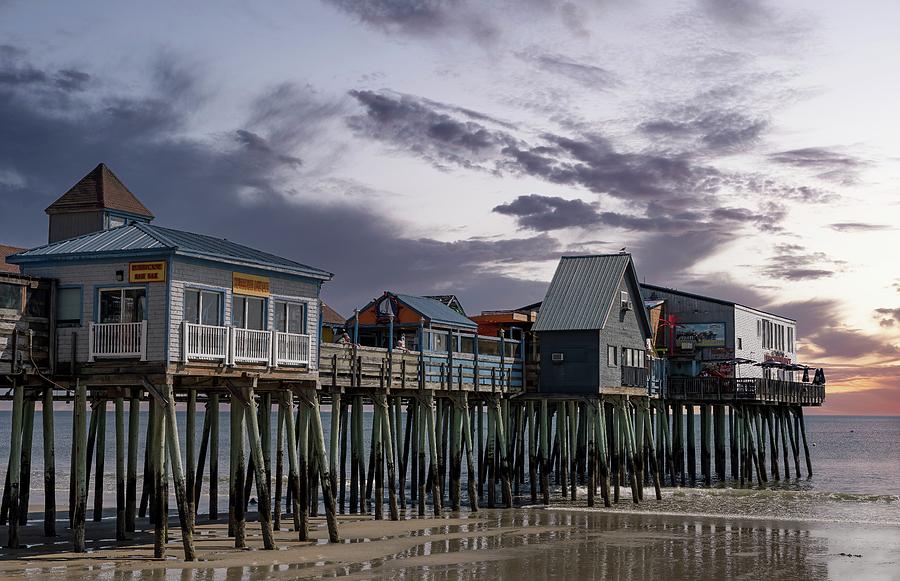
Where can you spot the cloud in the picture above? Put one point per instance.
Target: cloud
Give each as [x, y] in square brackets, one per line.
[822, 335]
[792, 262]
[825, 163]
[849, 227]
[888, 317]
[422, 18]
[585, 74]
[713, 128]
[247, 183]
[738, 13]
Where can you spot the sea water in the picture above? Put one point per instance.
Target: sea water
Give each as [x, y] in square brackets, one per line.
[856, 465]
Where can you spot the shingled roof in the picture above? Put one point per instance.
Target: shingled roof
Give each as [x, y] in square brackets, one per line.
[99, 190]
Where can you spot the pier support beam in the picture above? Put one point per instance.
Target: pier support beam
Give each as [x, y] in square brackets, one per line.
[15, 464]
[134, 419]
[259, 466]
[79, 467]
[181, 492]
[49, 464]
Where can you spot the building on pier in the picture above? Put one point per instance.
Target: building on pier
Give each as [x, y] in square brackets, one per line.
[516, 324]
[593, 328]
[26, 326]
[135, 299]
[706, 336]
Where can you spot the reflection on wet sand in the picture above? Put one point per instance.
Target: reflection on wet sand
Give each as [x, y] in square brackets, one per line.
[520, 544]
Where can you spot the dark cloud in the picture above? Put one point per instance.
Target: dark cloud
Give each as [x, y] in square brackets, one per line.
[738, 13]
[422, 18]
[588, 75]
[545, 213]
[848, 227]
[888, 317]
[825, 163]
[242, 184]
[793, 262]
[711, 128]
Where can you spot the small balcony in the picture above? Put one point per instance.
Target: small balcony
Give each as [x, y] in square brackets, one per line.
[117, 341]
[234, 346]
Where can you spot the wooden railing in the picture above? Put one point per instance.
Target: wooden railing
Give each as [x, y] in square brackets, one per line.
[744, 389]
[117, 340]
[634, 377]
[358, 366]
[251, 346]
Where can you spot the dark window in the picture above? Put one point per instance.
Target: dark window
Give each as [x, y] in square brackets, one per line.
[37, 302]
[611, 355]
[290, 317]
[125, 305]
[11, 296]
[68, 307]
[249, 313]
[203, 307]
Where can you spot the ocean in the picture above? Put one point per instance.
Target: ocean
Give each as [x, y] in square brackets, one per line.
[856, 465]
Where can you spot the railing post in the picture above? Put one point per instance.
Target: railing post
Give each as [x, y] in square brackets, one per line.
[91, 343]
[144, 340]
[273, 349]
[184, 341]
[230, 349]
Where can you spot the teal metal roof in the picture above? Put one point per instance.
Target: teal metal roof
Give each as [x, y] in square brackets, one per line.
[144, 238]
[436, 311]
[583, 290]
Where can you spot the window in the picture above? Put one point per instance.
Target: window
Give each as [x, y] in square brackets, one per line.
[68, 307]
[249, 313]
[740, 344]
[611, 355]
[37, 302]
[11, 296]
[122, 305]
[759, 327]
[290, 317]
[203, 307]
[791, 339]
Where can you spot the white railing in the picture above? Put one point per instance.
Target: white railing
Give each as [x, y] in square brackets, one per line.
[231, 346]
[291, 349]
[204, 342]
[117, 340]
[251, 346]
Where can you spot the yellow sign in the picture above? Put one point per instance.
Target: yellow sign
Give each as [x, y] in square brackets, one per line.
[249, 284]
[147, 271]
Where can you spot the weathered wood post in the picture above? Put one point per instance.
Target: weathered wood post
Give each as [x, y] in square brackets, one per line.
[471, 485]
[719, 436]
[79, 466]
[100, 472]
[342, 480]
[15, 464]
[654, 466]
[691, 443]
[571, 446]
[120, 468]
[259, 465]
[318, 438]
[185, 518]
[802, 422]
[628, 437]
[190, 457]
[303, 467]
[158, 454]
[436, 494]
[134, 426]
[504, 458]
[544, 453]
[704, 444]
[287, 403]
[279, 465]
[795, 447]
[667, 441]
[381, 401]
[490, 460]
[354, 455]
[25, 478]
[532, 451]
[782, 427]
[49, 464]
[334, 438]
[236, 510]
[213, 410]
[455, 454]
[591, 454]
[421, 451]
[602, 450]
[201, 462]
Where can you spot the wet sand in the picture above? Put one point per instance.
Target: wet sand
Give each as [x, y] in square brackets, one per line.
[521, 544]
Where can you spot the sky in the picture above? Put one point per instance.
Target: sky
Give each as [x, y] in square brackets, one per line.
[743, 149]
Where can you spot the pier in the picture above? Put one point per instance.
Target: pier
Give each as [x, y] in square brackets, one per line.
[593, 392]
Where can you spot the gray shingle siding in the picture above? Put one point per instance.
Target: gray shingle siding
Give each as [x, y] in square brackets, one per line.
[93, 275]
[623, 329]
[197, 274]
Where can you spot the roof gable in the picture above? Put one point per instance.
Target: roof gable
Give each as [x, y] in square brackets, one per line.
[436, 311]
[584, 290]
[100, 189]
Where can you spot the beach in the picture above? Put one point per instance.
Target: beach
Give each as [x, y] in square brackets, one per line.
[522, 543]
